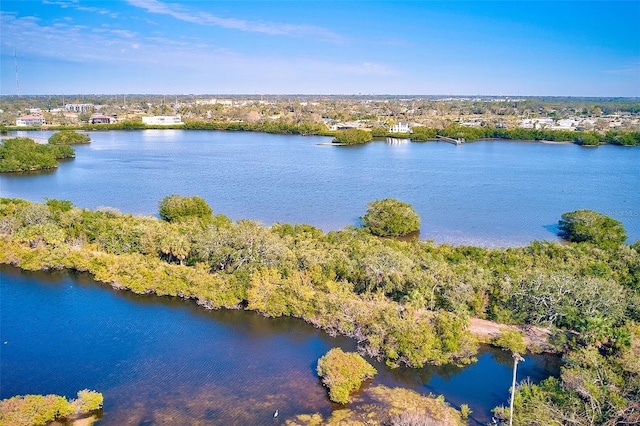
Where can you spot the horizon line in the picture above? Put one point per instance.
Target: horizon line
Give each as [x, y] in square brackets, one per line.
[325, 94]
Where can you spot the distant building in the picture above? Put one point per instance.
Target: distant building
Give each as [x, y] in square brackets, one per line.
[345, 126]
[400, 127]
[78, 107]
[225, 102]
[163, 120]
[536, 123]
[102, 119]
[30, 121]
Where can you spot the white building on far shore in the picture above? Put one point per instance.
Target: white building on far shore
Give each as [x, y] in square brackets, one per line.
[163, 120]
[400, 127]
[30, 121]
[79, 107]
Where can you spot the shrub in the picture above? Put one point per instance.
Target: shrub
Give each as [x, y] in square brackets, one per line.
[24, 154]
[391, 218]
[593, 227]
[175, 208]
[68, 137]
[353, 137]
[343, 372]
[33, 410]
[88, 401]
[512, 340]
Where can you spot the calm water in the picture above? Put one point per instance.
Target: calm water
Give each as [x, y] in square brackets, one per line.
[168, 361]
[487, 193]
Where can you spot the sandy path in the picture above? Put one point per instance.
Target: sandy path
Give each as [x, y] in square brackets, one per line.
[535, 337]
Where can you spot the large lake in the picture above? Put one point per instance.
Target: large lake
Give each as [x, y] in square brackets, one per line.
[490, 193]
[166, 361]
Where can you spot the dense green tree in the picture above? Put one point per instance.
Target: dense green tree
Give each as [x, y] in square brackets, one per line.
[175, 208]
[587, 139]
[390, 218]
[88, 401]
[58, 205]
[24, 154]
[34, 410]
[593, 227]
[593, 389]
[421, 133]
[510, 339]
[343, 373]
[565, 301]
[353, 137]
[69, 137]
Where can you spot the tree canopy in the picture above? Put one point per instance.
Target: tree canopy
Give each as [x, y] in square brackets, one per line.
[352, 137]
[343, 372]
[591, 226]
[30, 410]
[390, 218]
[24, 154]
[176, 208]
[68, 137]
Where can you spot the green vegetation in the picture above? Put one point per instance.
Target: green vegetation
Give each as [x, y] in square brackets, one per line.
[352, 137]
[595, 388]
[511, 340]
[69, 137]
[390, 218]
[176, 208]
[88, 401]
[24, 154]
[421, 133]
[590, 226]
[592, 138]
[33, 410]
[408, 302]
[343, 373]
[357, 136]
[391, 407]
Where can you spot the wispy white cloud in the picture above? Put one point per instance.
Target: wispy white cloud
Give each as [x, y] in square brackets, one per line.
[124, 33]
[633, 69]
[75, 4]
[181, 60]
[182, 13]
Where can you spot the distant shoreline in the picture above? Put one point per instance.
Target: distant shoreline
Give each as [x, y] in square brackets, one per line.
[580, 138]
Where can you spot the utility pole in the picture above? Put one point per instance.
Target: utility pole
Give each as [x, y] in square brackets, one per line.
[516, 359]
[15, 57]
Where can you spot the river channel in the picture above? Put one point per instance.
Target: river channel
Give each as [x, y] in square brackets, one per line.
[168, 361]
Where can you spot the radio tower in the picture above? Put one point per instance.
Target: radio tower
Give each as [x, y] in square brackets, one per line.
[15, 57]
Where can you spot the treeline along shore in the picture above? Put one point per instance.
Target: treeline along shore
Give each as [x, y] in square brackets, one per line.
[408, 302]
[419, 134]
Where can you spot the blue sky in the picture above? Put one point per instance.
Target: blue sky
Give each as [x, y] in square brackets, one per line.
[535, 48]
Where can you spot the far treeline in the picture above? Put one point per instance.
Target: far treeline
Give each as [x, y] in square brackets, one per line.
[420, 134]
[408, 302]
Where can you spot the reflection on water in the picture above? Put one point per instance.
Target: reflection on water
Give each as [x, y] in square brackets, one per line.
[168, 361]
[397, 141]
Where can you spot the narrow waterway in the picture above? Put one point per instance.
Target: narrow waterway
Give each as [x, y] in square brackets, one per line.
[168, 361]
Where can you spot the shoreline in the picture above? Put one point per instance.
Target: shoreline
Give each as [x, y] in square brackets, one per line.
[299, 131]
